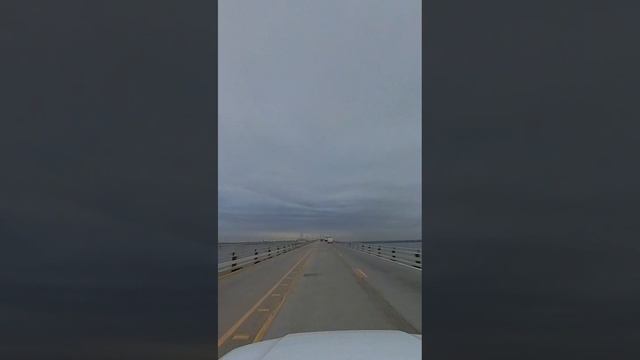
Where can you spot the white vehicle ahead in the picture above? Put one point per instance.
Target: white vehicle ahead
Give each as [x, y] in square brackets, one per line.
[329, 239]
[334, 345]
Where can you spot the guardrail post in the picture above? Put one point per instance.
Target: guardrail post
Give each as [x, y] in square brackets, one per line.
[269, 253]
[278, 251]
[234, 258]
[418, 258]
[255, 256]
[379, 251]
[393, 253]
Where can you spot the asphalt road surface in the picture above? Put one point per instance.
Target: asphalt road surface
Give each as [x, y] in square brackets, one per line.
[318, 287]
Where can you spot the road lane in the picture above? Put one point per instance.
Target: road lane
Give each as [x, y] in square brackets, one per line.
[400, 285]
[239, 291]
[333, 295]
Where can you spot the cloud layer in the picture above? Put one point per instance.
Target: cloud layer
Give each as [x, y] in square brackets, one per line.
[319, 119]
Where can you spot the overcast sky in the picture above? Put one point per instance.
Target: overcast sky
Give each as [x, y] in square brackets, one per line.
[319, 119]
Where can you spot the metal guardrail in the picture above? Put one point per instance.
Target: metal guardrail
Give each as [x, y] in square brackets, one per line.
[227, 250]
[402, 255]
[235, 262]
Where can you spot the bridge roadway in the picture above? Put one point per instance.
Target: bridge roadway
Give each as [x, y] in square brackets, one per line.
[318, 287]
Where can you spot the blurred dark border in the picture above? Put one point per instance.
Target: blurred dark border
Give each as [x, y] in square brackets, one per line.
[530, 180]
[108, 179]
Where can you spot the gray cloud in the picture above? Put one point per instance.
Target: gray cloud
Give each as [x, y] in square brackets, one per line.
[319, 119]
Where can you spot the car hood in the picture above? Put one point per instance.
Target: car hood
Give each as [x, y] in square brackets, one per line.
[335, 345]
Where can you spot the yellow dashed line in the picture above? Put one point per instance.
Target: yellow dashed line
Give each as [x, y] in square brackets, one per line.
[267, 324]
[240, 337]
[360, 273]
[263, 310]
[242, 319]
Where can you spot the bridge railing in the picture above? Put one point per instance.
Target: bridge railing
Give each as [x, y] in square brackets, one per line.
[236, 261]
[402, 255]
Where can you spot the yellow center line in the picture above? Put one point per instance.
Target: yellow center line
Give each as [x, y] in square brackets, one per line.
[244, 317]
[240, 337]
[267, 324]
[360, 273]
